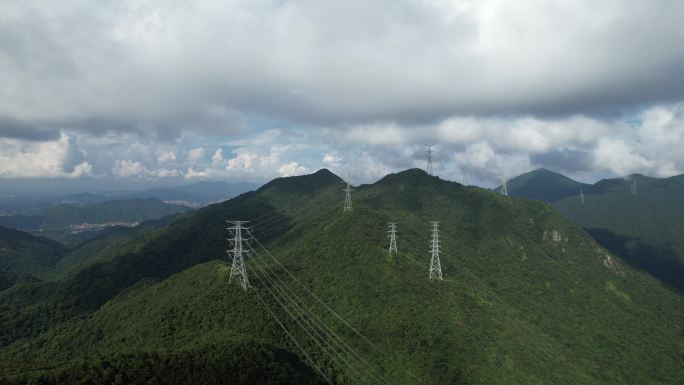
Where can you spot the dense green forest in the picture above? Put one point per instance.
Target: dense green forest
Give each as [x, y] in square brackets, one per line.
[527, 296]
[243, 364]
[644, 227]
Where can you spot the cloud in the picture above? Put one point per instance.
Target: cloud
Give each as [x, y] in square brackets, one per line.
[292, 169]
[165, 156]
[485, 148]
[10, 128]
[56, 158]
[617, 156]
[144, 89]
[217, 159]
[135, 169]
[195, 154]
[331, 159]
[156, 67]
[127, 169]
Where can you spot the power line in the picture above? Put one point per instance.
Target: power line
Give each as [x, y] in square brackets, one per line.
[312, 330]
[318, 327]
[328, 308]
[435, 265]
[312, 362]
[333, 312]
[320, 333]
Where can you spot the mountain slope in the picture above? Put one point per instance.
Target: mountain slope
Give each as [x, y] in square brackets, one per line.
[528, 297]
[645, 228]
[26, 254]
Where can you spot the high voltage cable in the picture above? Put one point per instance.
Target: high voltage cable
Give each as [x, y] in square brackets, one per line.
[318, 322]
[314, 325]
[313, 363]
[333, 312]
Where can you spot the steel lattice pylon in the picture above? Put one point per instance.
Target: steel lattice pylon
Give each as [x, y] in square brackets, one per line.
[435, 265]
[238, 268]
[393, 237]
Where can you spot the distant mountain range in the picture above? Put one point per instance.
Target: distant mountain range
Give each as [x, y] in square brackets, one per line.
[201, 193]
[638, 217]
[527, 297]
[194, 195]
[123, 210]
[71, 224]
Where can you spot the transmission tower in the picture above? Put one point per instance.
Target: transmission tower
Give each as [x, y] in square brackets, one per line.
[429, 158]
[464, 179]
[435, 265]
[504, 186]
[582, 196]
[393, 237]
[347, 197]
[238, 268]
[634, 188]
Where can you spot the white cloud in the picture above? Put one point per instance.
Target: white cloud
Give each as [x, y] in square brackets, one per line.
[134, 169]
[55, 158]
[192, 173]
[242, 161]
[128, 168]
[165, 156]
[217, 158]
[292, 168]
[81, 170]
[331, 159]
[195, 154]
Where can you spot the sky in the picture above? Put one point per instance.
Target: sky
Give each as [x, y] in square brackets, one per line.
[130, 91]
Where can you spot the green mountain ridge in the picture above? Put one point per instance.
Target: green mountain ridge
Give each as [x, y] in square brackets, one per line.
[528, 297]
[644, 228]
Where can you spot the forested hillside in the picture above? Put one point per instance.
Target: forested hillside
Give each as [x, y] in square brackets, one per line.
[527, 297]
[637, 217]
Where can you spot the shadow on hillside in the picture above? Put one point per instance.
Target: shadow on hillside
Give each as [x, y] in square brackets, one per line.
[661, 262]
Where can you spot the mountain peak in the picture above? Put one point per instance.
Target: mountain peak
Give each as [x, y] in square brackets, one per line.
[544, 185]
[302, 183]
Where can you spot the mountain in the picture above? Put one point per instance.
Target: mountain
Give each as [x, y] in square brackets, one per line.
[200, 192]
[644, 228]
[544, 185]
[23, 255]
[70, 224]
[527, 297]
[125, 210]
